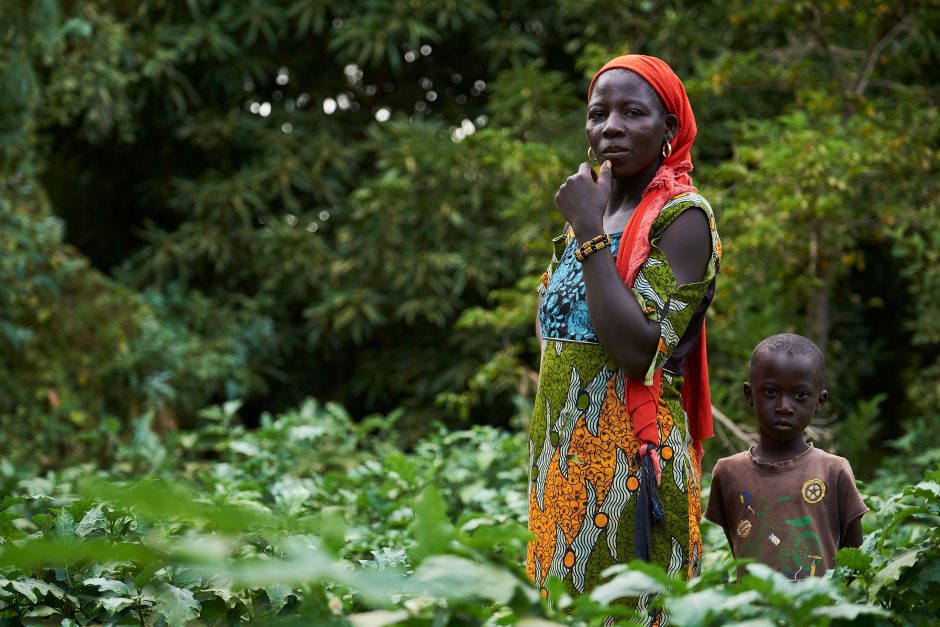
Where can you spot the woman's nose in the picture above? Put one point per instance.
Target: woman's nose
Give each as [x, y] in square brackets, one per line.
[613, 125]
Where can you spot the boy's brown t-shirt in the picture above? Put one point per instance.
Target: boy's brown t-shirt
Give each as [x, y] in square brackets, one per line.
[790, 515]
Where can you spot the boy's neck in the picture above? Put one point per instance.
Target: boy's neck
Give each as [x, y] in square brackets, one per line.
[769, 451]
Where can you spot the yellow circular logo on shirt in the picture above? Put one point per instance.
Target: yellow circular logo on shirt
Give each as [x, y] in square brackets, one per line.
[813, 491]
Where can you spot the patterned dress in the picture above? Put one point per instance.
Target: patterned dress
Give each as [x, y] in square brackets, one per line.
[584, 467]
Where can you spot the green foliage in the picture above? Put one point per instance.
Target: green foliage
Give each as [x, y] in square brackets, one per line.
[313, 518]
[897, 566]
[818, 199]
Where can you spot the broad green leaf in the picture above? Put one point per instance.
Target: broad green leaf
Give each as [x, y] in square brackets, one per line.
[455, 577]
[853, 558]
[849, 611]
[928, 489]
[332, 529]
[629, 583]
[35, 589]
[176, 605]
[35, 552]
[227, 596]
[155, 499]
[93, 520]
[108, 585]
[431, 529]
[278, 594]
[64, 525]
[113, 605]
[486, 535]
[41, 611]
[651, 570]
[697, 608]
[928, 578]
[892, 571]
[304, 565]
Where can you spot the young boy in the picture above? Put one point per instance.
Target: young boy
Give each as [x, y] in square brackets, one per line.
[784, 502]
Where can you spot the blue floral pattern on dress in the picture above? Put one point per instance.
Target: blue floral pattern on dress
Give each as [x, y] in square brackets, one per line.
[563, 314]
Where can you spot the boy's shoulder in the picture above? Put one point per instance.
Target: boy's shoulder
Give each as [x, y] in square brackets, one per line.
[732, 463]
[733, 460]
[810, 461]
[831, 460]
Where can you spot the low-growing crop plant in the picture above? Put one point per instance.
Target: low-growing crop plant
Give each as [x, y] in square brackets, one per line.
[314, 519]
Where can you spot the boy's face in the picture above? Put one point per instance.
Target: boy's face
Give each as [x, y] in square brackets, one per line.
[785, 391]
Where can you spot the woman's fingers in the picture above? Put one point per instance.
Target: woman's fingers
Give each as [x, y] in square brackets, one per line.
[582, 198]
[586, 171]
[603, 177]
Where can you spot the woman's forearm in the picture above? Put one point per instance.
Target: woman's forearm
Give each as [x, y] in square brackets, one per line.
[621, 326]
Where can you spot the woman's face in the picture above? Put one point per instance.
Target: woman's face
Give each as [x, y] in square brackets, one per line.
[627, 124]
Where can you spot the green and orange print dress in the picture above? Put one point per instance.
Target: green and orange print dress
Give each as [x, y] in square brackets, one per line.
[583, 455]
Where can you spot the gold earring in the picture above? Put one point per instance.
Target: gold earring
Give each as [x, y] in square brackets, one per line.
[667, 149]
[591, 155]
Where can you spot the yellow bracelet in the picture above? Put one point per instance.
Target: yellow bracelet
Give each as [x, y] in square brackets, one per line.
[591, 247]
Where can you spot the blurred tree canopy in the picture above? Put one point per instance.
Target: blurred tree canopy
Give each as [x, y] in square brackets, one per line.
[267, 200]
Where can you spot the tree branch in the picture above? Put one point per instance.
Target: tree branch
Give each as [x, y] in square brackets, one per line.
[746, 438]
[816, 31]
[864, 74]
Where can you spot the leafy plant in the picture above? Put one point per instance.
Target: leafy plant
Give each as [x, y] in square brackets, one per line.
[313, 518]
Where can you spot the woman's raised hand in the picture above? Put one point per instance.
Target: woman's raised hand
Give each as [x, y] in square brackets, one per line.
[582, 200]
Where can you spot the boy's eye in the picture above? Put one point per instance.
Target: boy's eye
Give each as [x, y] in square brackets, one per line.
[802, 396]
[770, 391]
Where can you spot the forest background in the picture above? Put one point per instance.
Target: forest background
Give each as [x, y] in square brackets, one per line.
[244, 205]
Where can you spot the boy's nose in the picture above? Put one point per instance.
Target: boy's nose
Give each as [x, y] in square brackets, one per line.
[784, 407]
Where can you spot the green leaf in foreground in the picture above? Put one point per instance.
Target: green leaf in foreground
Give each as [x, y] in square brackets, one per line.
[94, 520]
[454, 577]
[176, 605]
[853, 558]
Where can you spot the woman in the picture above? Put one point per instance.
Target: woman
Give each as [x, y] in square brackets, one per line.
[621, 321]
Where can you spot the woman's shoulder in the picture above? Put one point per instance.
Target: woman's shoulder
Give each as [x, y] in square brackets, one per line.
[679, 204]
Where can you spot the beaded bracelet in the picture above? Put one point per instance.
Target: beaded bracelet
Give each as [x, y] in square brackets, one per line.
[591, 247]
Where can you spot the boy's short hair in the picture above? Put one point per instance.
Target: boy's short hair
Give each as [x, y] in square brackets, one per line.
[791, 344]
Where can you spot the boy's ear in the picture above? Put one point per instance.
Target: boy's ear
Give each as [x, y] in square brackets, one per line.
[747, 393]
[823, 397]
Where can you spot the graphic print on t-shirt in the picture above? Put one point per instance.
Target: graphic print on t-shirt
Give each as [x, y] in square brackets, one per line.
[785, 514]
[792, 544]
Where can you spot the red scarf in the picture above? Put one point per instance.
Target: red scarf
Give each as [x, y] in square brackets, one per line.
[671, 179]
